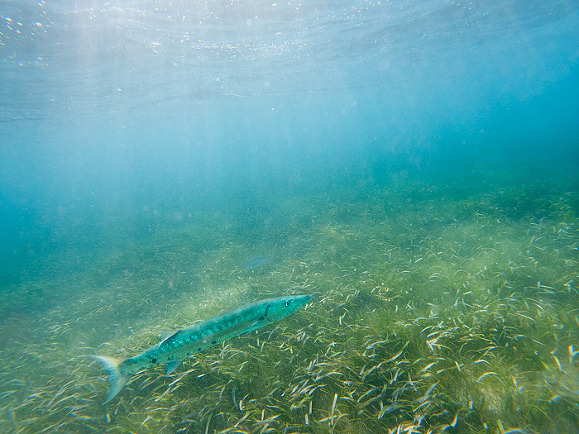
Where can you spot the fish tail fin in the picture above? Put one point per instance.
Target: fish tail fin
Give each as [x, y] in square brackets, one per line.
[116, 379]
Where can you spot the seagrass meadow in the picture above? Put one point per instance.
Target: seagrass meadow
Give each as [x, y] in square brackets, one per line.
[441, 303]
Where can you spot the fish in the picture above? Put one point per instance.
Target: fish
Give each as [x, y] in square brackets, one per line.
[184, 343]
[257, 262]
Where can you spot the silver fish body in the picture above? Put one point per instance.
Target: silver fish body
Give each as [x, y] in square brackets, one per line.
[186, 342]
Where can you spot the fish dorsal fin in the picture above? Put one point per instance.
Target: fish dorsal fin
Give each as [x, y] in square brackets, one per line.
[164, 334]
[173, 365]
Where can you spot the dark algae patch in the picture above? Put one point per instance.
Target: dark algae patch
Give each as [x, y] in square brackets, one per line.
[455, 311]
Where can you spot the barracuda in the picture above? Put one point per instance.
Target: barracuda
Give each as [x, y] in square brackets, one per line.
[186, 342]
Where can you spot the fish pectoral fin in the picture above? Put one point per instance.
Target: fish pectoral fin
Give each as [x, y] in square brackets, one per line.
[256, 325]
[173, 365]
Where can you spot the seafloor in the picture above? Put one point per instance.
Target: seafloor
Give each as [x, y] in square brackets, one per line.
[442, 303]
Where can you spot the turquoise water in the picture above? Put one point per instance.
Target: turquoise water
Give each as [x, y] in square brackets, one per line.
[411, 165]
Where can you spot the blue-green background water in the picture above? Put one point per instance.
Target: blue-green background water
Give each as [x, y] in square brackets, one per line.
[109, 110]
[256, 127]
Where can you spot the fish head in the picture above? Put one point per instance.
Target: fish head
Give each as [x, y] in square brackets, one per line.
[281, 307]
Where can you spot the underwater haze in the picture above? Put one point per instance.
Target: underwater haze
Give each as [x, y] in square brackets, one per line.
[411, 165]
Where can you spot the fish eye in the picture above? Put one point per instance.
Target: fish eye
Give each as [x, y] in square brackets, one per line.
[287, 303]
